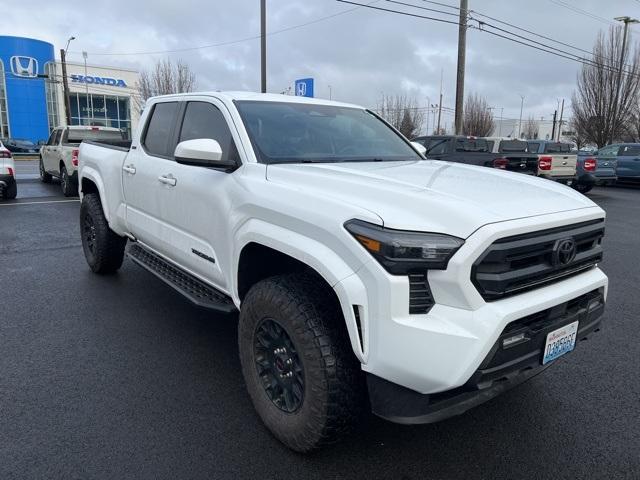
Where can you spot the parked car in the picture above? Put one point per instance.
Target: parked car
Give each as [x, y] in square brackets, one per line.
[8, 186]
[555, 160]
[477, 151]
[59, 156]
[627, 159]
[592, 170]
[357, 266]
[20, 146]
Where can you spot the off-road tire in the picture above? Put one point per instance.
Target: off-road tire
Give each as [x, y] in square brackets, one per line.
[11, 192]
[103, 248]
[44, 176]
[69, 189]
[309, 313]
[582, 188]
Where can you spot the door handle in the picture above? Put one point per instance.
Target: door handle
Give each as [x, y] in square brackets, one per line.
[168, 180]
[129, 169]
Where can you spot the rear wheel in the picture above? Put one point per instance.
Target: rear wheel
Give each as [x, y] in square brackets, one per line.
[297, 362]
[44, 176]
[582, 188]
[103, 248]
[10, 192]
[69, 188]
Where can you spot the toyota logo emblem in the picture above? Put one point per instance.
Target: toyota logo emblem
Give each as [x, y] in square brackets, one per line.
[564, 251]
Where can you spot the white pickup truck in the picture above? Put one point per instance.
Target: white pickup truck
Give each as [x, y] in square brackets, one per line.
[59, 156]
[357, 266]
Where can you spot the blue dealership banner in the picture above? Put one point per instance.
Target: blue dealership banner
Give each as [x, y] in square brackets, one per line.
[24, 62]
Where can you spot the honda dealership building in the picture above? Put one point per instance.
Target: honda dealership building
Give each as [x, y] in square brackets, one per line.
[32, 96]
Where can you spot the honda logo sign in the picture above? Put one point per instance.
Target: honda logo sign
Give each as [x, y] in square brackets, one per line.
[24, 66]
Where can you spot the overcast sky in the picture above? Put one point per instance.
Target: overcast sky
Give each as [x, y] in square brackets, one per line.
[362, 53]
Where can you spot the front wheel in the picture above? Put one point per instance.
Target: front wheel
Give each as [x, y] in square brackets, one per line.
[103, 248]
[297, 362]
[44, 176]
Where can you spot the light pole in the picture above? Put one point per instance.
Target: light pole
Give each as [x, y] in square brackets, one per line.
[65, 82]
[520, 121]
[626, 21]
[329, 92]
[263, 46]
[86, 89]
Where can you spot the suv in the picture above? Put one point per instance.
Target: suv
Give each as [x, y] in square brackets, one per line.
[625, 157]
[59, 156]
[8, 186]
[358, 267]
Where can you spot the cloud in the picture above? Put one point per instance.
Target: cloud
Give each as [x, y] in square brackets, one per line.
[361, 54]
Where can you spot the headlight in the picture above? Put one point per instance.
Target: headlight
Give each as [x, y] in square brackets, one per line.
[401, 252]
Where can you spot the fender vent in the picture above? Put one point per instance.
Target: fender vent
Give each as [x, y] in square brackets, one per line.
[420, 298]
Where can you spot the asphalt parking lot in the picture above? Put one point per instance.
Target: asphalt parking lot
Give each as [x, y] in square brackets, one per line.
[120, 377]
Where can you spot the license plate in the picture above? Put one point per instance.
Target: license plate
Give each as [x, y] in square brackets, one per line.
[559, 342]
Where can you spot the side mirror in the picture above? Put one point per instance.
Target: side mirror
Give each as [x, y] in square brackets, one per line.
[202, 152]
[420, 148]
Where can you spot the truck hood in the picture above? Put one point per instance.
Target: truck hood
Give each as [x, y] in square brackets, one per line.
[431, 195]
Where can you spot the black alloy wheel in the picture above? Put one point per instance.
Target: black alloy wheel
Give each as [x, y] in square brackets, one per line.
[278, 365]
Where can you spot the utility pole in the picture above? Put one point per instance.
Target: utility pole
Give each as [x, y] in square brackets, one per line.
[436, 132]
[65, 82]
[560, 122]
[462, 51]
[263, 46]
[440, 104]
[428, 112]
[553, 130]
[501, 118]
[520, 121]
[614, 119]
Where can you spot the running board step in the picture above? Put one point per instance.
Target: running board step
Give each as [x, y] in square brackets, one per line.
[196, 290]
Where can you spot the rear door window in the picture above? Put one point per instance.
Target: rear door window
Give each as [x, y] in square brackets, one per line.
[158, 135]
[472, 145]
[609, 151]
[629, 151]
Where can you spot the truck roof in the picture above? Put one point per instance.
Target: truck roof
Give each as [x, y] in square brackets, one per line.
[92, 127]
[260, 97]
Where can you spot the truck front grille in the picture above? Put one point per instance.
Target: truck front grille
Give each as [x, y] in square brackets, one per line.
[522, 262]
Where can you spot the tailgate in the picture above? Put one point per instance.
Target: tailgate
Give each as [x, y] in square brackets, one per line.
[605, 167]
[522, 163]
[563, 165]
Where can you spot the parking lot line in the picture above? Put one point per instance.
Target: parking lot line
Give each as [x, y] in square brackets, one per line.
[39, 203]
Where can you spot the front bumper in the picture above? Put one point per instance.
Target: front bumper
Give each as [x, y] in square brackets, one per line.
[503, 368]
[441, 350]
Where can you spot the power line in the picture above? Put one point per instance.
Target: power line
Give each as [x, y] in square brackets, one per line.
[425, 8]
[581, 11]
[231, 42]
[400, 12]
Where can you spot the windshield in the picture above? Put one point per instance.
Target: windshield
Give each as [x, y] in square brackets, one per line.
[284, 132]
[74, 136]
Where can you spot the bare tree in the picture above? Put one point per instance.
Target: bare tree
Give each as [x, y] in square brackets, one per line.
[403, 113]
[600, 113]
[165, 78]
[530, 129]
[577, 135]
[477, 119]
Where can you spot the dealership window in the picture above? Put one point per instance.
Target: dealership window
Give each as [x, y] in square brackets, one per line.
[101, 110]
[4, 118]
[51, 94]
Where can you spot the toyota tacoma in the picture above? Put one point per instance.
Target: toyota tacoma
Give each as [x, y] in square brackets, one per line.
[360, 270]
